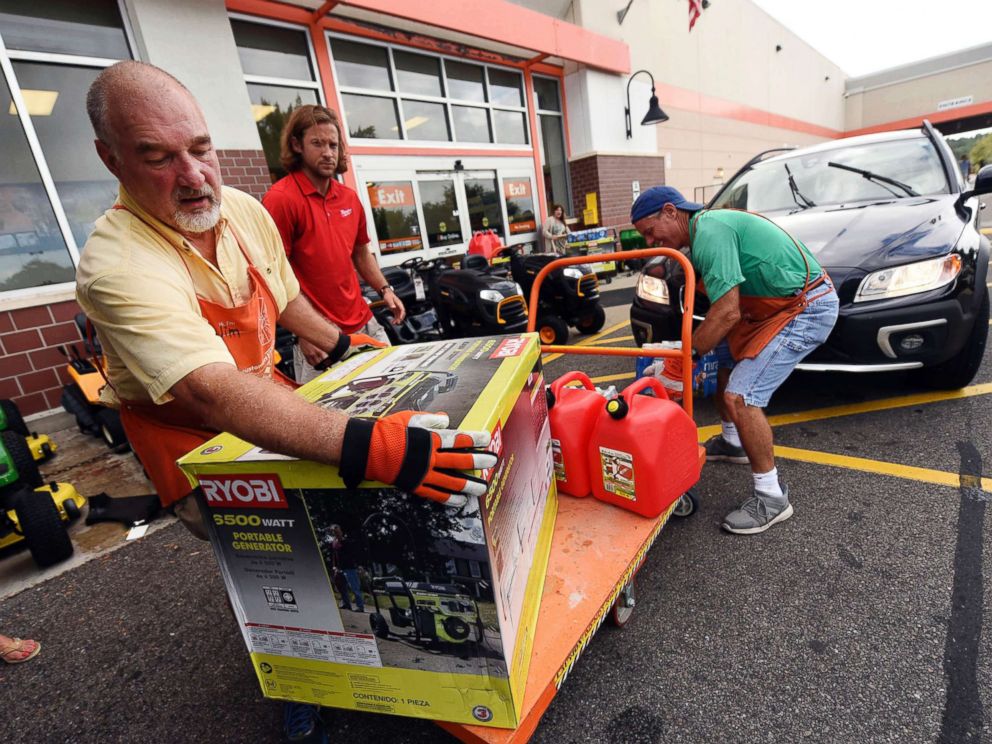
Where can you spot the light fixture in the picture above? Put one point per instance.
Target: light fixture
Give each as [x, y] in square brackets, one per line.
[458, 166]
[37, 102]
[654, 115]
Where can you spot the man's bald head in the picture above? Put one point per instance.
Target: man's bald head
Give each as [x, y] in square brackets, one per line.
[124, 84]
[152, 135]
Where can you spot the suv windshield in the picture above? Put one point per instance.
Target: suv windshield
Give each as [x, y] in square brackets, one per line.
[880, 170]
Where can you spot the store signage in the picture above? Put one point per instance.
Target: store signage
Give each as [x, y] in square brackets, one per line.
[517, 189]
[391, 195]
[952, 103]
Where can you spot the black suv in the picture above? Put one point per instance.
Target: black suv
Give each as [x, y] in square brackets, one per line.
[891, 220]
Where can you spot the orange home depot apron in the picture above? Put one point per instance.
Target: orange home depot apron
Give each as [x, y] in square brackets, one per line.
[763, 318]
[161, 434]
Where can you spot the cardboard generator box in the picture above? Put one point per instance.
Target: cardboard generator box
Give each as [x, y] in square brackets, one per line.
[375, 599]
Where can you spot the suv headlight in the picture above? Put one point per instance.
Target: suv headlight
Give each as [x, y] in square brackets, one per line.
[908, 279]
[490, 295]
[652, 289]
[572, 272]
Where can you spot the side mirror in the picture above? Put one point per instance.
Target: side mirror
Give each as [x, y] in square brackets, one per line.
[983, 185]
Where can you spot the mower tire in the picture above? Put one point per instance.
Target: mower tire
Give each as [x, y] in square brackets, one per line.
[592, 322]
[20, 453]
[15, 422]
[380, 628]
[112, 430]
[42, 527]
[74, 402]
[552, 330]
[72, 510]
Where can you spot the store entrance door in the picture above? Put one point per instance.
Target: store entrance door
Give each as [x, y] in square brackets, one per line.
[457, 204]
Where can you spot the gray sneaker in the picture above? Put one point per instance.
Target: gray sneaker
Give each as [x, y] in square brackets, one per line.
[758, 513]
[718, 448]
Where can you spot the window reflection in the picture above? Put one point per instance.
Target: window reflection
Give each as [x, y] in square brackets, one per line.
[32, 250]
[55, 97]
[465, 81]
[425, 121]
[519, 205]
[471, 124]
[361, 65]
[91, 29]
[394, 215]
[484, 212]
[418, 74]
[371, 117]
[506, 88]
[272, 50]
[440, 218]
[511, 127]
[271, 106]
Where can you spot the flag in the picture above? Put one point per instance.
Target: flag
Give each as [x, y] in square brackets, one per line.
[695, 10]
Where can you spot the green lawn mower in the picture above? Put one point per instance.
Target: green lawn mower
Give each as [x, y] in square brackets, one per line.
[41, 445]
[432, 613]
[33, 514]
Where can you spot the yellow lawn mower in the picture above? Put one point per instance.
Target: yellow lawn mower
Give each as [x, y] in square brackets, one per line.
[41, 445]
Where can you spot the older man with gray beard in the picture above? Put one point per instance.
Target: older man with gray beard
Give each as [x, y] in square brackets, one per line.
[184, 280]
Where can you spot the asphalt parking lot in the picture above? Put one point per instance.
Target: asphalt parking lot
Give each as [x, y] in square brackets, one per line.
[860, 619]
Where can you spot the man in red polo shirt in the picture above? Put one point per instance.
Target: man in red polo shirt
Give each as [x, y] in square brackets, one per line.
[322, 224]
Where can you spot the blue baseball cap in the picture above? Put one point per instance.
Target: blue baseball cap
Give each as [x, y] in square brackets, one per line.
[651, 202]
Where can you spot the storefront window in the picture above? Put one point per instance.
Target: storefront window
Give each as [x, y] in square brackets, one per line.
[484, 212]
[547, 94]
[506, 88]
[426, 88]
[55, 98]
[394, 216]
[90, 29]
[465, 82]
[418, 74]
[471, 124]
[361, 65]
[553, 157]
[271, 106]
[440, 213]
[33, 252]
[425, 121]
[371, 117]
[519, 205]
[510, 126]
[272, 51]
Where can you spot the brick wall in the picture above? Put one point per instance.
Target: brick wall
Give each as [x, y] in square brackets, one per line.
[245, 170]
[611, 177]
[33, 370]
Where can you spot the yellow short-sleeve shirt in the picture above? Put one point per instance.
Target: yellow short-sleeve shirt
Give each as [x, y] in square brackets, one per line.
[140, 288]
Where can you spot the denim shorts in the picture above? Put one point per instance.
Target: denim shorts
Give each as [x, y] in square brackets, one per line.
[755, 380]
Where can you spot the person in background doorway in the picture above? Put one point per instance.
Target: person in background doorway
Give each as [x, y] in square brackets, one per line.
[323, 229]
[771, 304]
[555, 231]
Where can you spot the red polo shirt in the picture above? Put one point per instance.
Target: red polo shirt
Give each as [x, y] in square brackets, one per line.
[320, 234]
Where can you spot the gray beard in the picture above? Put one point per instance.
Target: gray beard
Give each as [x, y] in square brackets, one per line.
[197, 222]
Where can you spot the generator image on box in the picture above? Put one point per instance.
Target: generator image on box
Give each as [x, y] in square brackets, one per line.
[375, 599]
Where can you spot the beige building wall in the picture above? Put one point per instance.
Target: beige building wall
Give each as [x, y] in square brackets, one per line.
[724, 86]
[873, 100]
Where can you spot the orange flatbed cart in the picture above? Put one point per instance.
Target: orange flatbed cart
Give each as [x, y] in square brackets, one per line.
[596, 549]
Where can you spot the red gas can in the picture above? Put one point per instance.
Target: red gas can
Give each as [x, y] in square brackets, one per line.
[643, 453]
[572, 412]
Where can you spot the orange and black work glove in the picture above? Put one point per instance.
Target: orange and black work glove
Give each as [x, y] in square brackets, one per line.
[417, 453]
[347, 346]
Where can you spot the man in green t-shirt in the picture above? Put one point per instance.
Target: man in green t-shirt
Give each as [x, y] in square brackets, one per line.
[770, 302]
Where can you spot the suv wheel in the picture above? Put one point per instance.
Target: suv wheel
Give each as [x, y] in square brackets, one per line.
[960, 370]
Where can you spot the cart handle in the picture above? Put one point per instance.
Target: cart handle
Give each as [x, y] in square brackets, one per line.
[628, 351]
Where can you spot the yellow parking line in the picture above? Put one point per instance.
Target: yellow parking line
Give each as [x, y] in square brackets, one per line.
[909, 472]
[587, 341]
[613, 378]
[614, 340]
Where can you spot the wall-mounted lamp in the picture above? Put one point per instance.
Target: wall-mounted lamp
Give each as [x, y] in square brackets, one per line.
[654, 115]
[458, 166]
[778, 47]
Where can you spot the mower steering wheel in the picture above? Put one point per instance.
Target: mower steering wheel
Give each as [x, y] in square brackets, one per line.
[412, 262]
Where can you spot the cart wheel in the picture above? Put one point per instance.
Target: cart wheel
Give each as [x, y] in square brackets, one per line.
[623, 608]
[686, 505]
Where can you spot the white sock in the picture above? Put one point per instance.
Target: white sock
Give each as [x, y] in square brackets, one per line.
[730, 433]
[767, 483]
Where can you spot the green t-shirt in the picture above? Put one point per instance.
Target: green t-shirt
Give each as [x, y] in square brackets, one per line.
[730, 248]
